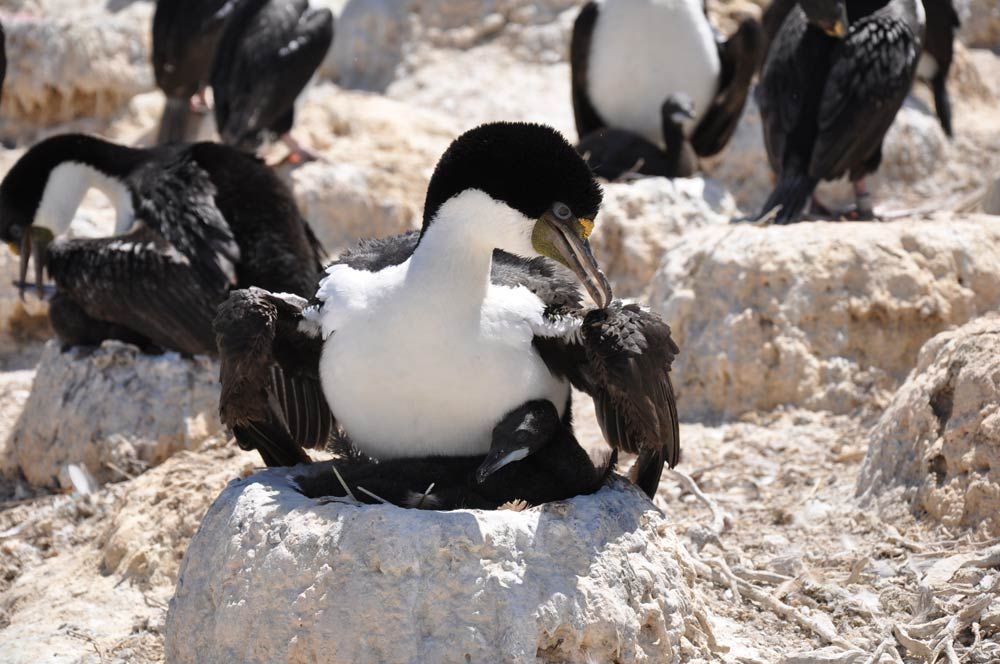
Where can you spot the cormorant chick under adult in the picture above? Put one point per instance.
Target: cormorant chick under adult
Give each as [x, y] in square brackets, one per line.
[942, 23]
[628, 56]
[268, 52]
[835, 77]
[193, 221]
[616, 153]
[463, 339]
[185, 35]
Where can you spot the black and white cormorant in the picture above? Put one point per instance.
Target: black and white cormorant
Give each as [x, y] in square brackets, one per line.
[835, 77]
[613, 153]
[193, 221]
[269, 51]
[628, 56]
[942, 23]
[462, 339]
[185, 35]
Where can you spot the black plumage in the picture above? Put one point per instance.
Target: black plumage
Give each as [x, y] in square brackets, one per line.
[738, 55]
[942, 22]
[207, 218]
[185, 36]
[939, 45]
[268, 52]
[613, 153]
[827, 99]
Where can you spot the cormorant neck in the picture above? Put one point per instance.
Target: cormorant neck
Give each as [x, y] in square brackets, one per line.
[448, 269]
[78, 164]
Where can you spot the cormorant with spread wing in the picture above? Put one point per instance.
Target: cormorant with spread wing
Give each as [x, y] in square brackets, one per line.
[462, 341]
[193, 221]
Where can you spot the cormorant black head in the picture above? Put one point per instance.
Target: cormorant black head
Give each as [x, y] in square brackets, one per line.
[830, 16]
[526, 190]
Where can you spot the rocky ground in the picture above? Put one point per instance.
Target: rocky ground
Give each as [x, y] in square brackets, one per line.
[840, 473]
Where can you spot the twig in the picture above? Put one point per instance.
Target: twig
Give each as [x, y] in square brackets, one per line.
[343, 483]
[720, 519]
[776, 606]
[124, 473]
[369, 493]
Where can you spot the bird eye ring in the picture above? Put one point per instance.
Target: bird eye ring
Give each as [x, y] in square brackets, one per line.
[562, 211]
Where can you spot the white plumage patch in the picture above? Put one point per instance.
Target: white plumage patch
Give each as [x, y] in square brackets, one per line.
[67, 184]
[641, 52]
[427, 356]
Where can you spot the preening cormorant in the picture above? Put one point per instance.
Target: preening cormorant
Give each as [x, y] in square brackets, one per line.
[628, 56]
[448, 341]
[193, 221]
[185, 35]
[269, 51]
[835, 76]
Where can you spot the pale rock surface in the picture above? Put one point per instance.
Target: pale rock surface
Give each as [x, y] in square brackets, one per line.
[274, 576]
[76, 62]
[377, 157]
[84, 575]
[939, 439]
[639, 221]
[826, 316]
[980, 23]
[111, 407]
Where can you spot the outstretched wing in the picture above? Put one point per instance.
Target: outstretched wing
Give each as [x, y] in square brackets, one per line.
[140, 281]
[867, 84]
[629, 351]
[271, 394]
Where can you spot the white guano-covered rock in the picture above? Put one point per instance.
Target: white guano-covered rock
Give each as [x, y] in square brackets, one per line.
[826, 316]
[273, 576]
[75, 63]
[640, 220]
[939, 439]
[111, 410]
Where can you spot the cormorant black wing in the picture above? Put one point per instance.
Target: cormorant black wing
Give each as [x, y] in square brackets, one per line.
[267, 55]
[620, 356]
[778, 94]
[587, 118]
[738, 57]
[871, 74]
[177, 200]
[271, 393]
[139, 281]
[185, 33]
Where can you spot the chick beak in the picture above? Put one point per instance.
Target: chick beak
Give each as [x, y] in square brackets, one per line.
[497, 459]
[566, 241]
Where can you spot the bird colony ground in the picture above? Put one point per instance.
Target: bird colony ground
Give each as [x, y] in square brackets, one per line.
[840, 478]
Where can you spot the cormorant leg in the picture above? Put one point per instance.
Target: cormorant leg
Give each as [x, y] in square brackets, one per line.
[523, 431]
[864, 210]
[199, 102]
[298, 154]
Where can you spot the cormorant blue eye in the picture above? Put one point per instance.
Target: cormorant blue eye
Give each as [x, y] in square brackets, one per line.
[562, 211]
